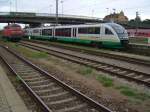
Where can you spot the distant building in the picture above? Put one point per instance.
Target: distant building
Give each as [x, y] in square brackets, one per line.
[116, 17]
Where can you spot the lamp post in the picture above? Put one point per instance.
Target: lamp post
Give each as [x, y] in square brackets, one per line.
[16, 5]
[107, 10]
[92, 12]
[10, 3]
[56, 12]
[62, 6]
[51, 9]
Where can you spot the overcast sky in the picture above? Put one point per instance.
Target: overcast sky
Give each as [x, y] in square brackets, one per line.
[96, 8]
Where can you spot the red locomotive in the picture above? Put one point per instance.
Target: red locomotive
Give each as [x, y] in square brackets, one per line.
[12, 32]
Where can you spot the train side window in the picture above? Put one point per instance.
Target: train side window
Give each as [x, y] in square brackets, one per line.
[36, 31]
[47, 32]
[66, 32]
[83, 30]
[108, 32]
[89, 30]
[93, 30]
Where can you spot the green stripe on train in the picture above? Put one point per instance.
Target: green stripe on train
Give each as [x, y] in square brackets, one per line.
[41, 37]
[67, 39]
[107, 44]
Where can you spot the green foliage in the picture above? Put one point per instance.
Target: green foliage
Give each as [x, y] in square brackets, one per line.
[106, 81]
[85, 71]
[133, 93]
[39, 55]
[30, 53]
[17, 79]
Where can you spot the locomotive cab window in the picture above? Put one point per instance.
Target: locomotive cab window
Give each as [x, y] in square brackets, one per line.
[108, 32]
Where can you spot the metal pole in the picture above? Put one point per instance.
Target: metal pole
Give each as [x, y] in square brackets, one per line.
[62, 6]
[56, 12]
[92, 12]
[10, 5]
[107, 11]
[50, 9]
[16, 6]
[136, 20]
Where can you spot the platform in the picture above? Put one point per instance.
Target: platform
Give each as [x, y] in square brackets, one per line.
[10, 101]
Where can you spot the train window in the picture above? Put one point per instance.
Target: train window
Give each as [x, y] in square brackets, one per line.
[47, 32]
[94, 30]
[66, 32]
[108, 32]
[89, 30]
[36, 31]
[82, 30]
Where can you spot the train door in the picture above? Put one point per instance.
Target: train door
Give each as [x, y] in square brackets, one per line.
[74, 32]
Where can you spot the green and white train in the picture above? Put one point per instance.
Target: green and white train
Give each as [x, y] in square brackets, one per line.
[110, 35]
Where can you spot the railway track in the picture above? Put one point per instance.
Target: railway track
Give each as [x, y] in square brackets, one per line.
[50, 93]
[129, 74]
[97, 53]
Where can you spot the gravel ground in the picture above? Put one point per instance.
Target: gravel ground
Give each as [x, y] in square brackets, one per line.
[4, 106]
[67, 71]
[86, 86]
[120, 63]
[29, 103]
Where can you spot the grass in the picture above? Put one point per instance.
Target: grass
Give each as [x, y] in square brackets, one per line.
[106, 81]
[133, 93]
[86, 71]
[30, 53]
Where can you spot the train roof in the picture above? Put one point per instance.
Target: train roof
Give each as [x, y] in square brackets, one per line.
[12, 25]
[81, 25]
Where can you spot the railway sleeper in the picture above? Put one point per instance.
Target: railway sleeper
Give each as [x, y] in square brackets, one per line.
[139, 77]
[69, 102]
[94, 64]
[29, 76]
[50, 91]
[43, 87]
[103, 67]
[122, 72]
[75, 108]
[109, 68]
[25, 73]
[131, 74]
[57, 97]
[40, 82]
[35, 79]
[144, 77]
[97, 65]
[19, 65]
[23, 68]
[147, 80]
[115, 70]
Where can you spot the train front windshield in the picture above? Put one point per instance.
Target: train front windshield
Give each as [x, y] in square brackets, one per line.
[121, 32]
